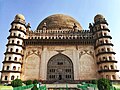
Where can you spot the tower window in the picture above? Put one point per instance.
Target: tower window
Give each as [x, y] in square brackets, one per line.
[105, 67]
[14, 67]
[12, 41]
[15, 58]
[8, 67]
[106, 41]
[14, 34]
[110, 58]
[18, 42]
[16, 50]
[6, 77]
[19, 35]
[108, 49]
[12, 77]
[9, 58]
[112, 67]
[113, 76]
[11, 50]
[105, 34]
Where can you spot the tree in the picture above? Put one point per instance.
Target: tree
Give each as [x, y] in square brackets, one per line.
[35, 82]
[28, 82]
[94, 81]
[103, 84]
[16, 83]
[34, 87]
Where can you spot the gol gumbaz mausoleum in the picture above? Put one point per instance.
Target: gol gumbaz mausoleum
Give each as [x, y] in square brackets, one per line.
[59, 50]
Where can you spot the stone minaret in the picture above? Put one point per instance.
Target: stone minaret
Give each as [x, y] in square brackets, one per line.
[105, 55]
[14, 52]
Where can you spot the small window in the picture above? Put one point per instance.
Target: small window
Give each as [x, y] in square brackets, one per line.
[8, 67]
[105, 67]
[18, 42]
[11, 50]
[16, 50]
[14, 67]
[15, 58]
[19, 35]
[12, 41]
[12, 77]
[6, 77]
[108, 49]
[113, 76]
[105, 34]
[112, 67]
[110, 58]
[14, 34]
[9, 58]
[106, 41]
[60, 63]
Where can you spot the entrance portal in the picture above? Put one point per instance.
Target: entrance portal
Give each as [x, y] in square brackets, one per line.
[60, 68]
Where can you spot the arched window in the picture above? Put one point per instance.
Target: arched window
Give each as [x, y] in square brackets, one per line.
[11, 49]
[112, 67]
[9, 58]
[110, 58]
[15, 58]
[12, 41]
[6, 77]
[19, 35]
[18, 42]
[12, 77]
[16, 50]
[14, 67]
[113, 76]
[105, 67]
[8, 67]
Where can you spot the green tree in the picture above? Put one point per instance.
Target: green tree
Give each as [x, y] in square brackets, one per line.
[94, 81]
[35, 82]
[28, 82]
[34, 87]
[103, 84]
[16, 83]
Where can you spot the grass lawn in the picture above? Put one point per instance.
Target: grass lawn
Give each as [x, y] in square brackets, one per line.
[117, 86]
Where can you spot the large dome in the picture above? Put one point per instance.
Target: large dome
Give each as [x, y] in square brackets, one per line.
[59, 21]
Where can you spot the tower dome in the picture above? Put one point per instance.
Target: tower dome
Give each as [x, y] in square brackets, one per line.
[59, 21]
[98, 17]
[19, 16]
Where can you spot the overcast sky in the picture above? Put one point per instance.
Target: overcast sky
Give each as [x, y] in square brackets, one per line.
[82, 10]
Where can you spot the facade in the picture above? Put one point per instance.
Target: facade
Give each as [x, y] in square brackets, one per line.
[59, 50]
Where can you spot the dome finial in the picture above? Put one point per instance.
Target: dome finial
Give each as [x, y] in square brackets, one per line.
[19, 17]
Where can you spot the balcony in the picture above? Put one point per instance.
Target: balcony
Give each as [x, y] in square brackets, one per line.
[108, 70]
[107, 61]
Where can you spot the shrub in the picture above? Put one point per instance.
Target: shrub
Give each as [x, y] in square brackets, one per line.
[28, 82]
[94, 81]
[34, 87]
[35, 82]
[103, 84]
[16, 83]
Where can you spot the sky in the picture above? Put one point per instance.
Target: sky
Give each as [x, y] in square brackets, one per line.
[82, 10]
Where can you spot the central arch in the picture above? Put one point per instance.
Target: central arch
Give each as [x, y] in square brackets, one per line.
[60, 68]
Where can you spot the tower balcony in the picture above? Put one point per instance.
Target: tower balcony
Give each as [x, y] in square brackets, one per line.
[17, 53]
[107, 61]
[17, 29]
[10, 71]
[107, 36]
[13, 44]
[108, 70]
[17, 62]
[105, 52]
[104, 44]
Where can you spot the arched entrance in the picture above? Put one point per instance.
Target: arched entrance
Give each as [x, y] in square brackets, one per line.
[60, 68]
